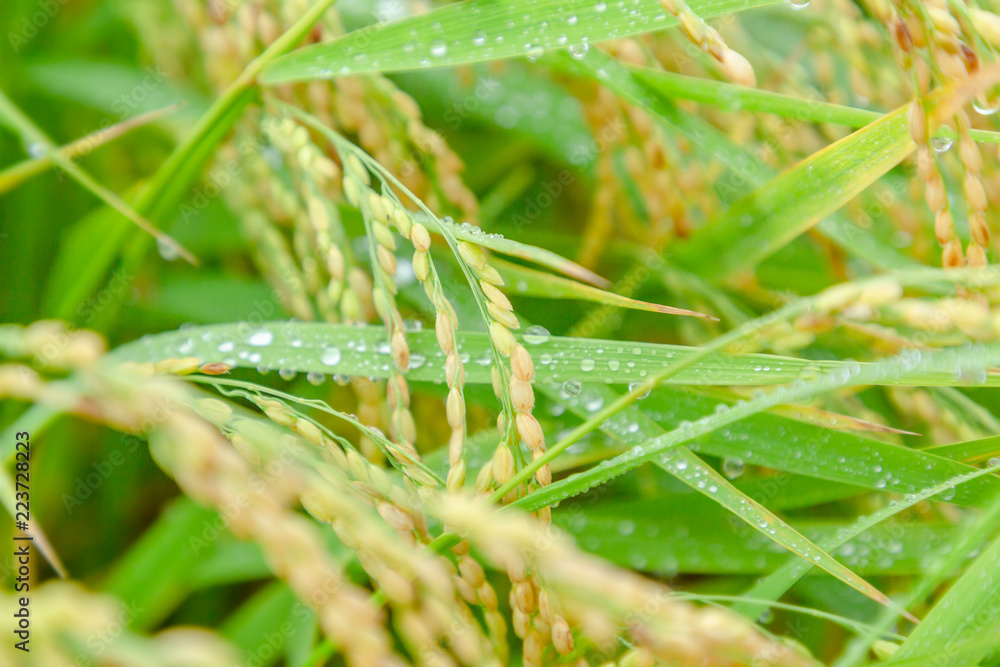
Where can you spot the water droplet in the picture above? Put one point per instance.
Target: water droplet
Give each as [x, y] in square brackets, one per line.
[941, 144]
[635, 385]
[439, 49]
[733, 468]
[626, 528]
[572, 387]
[507, 116]
[167, 250]
[330, 356]
[587, 365]
[315, 377]
[261, 338]
[287, 374]
[228, 346]
[986, 106]
[37, 150]
[536, 334]
[579, 51]
[600, 7]
[593, 403]
[798, 4]
[533, 51]
[479, 38]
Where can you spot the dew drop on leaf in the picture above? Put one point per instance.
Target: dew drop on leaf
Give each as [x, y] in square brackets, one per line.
[536, 335]
[261, 338]
[733, 468]
[635, 385]
[941, 144]
[330, 356]
[439, 49]
[167, 250]
[986, 106]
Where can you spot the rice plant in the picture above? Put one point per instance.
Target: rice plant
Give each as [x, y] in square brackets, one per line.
[497, 332]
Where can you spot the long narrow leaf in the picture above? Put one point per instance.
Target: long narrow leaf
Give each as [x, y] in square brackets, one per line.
[363, 351]
[481, 30]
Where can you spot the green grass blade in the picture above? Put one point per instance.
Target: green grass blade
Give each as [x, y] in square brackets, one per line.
[833, 455]
[256, 627]
[505, 246]
[793, 202]
[796, 200]
[631, 425]
[662, 448]
[528, 282]
[483, 30]
[361, 351]
[732, 97]
[945, 560]
[158, 198]
[962, 615]
[776, 584]
[973, 451]
[33, 136]
[16, 174]
[86, 253]
[658, 536]
[151, 575]
[746, 167]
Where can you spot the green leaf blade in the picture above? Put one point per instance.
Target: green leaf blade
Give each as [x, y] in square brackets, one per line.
[482, 30]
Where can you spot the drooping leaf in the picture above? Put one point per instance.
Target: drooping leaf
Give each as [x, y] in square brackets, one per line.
[528, 282]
